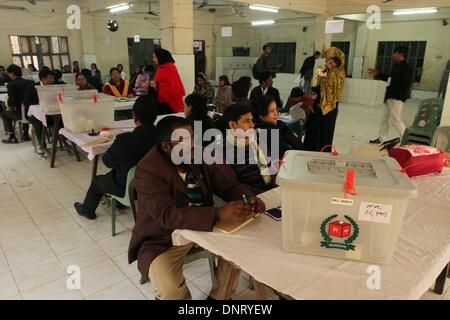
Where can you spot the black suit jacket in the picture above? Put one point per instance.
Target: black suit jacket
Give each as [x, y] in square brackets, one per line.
[4, 80]
[16, 92]
[272, 92]
[307, 69]
[126, 151]
[31, 97]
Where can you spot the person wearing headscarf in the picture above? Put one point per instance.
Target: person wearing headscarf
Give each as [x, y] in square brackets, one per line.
[167, 83]
[224, 97]
[204, 88]
[328, 89]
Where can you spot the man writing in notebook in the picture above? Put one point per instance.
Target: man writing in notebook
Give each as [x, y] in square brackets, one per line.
[180, 196]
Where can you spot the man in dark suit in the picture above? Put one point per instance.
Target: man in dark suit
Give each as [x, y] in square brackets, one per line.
[124, 153]
[16, 89]
[46, 78]
[3, 76]
[265, 89]
[307, 70]
[180, 196]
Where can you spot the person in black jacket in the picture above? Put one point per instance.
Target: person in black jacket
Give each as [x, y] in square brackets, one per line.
[126, 151]
[4, 79]
[397, 93]
[267, 114]
[265, 89]
[307, 70]
[46, 78]
[16, 89]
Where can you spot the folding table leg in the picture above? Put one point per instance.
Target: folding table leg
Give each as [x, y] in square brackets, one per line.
[56, 127]
[440, 281]
[94, 168]
[75, 150]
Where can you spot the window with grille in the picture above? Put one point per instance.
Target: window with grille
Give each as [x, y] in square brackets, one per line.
[416, 55]
[50, 51]
[241, 52]
[283, 55]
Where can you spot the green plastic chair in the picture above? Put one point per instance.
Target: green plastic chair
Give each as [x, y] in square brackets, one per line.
[425, 124]
[441, 139]
[124, 201]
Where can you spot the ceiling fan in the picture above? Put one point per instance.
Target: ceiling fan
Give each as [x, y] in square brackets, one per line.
[206, 3]
[150, 11]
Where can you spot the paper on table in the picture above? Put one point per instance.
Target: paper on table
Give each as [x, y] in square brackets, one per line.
[96, 142]
[232, 227]
[272, 199]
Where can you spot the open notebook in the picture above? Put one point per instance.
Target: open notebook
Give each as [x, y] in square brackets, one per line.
[232, 227]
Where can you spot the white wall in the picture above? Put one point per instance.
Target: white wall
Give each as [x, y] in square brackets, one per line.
[437, 51]
[26, 24]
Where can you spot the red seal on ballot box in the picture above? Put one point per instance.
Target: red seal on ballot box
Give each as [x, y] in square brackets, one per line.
[339, 229]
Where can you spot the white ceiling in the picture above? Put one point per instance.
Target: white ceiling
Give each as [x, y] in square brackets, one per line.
[237, 11]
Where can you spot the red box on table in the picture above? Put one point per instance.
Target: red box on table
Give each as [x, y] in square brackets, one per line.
[339, 229]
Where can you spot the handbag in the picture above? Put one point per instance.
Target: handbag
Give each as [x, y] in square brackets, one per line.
[418, 160]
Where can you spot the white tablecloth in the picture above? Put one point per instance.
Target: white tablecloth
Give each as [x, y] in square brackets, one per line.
[3, 89]
[422, 251]
[80, 139]
[40, 114]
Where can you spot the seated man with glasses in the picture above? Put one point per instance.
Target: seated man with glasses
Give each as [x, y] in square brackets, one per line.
[180, 196]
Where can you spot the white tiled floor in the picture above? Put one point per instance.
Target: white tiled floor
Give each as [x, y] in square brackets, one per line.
[41, 234]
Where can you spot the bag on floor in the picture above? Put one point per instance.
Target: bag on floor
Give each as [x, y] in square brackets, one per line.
[418, 160]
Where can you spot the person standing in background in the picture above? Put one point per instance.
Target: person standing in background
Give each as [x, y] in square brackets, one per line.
[167, 83]
[204, 88]
[397, 93]
[224, 97]
[322, 120]
[76, 67]
[122, 71]
[265, 63]
[307, 71]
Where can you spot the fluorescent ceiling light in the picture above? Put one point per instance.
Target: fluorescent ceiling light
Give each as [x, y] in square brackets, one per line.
[401, 12]
[262, 22]
[118, 7]
[261, 7]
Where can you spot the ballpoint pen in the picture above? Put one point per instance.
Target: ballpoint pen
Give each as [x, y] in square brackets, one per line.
[244, 197]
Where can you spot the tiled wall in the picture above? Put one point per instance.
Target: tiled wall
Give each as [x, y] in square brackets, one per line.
[365, 92]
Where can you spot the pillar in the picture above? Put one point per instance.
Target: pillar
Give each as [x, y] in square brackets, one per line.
[322, 39]
[87, 41]
[177, 36]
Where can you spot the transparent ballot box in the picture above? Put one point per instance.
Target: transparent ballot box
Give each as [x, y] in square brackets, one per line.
[85, 115]
[343, 206]
[49, 95]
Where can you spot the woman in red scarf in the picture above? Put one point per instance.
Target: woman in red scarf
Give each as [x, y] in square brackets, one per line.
[167, 83]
